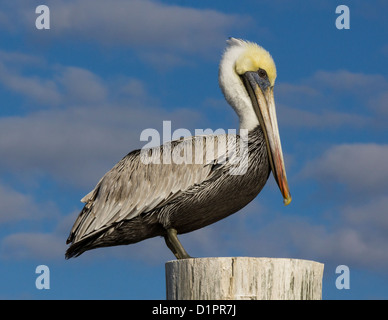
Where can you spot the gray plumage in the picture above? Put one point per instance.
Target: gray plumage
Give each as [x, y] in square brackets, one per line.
[135, 201]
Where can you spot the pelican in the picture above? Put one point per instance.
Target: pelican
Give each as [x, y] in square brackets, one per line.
[136, 200]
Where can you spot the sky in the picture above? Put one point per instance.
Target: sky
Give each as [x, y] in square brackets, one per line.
[75, 98]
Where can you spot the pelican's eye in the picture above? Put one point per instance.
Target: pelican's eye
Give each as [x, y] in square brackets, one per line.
[262, 73]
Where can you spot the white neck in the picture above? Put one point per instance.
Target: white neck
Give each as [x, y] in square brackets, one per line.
[234, 90]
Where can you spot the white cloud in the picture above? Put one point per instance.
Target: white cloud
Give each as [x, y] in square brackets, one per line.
[33, 87]
[163, 61]
[288, 90]
[160, 34]
[94, 123]
[20, 246]
[352, 230]
[361, 168]
[17, 206]
[345, 240]
[354, 179]
[133, 88]
[344, 80]
[3, 19]
[354, 239]
[18, 59]
[319, 120]
[371, 215]
[65, 84]
[143, 25]
[78, 145]
[334, 99]
[82, 85]
[380, 104]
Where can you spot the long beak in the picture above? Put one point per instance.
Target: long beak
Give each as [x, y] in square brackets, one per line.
[263, 103]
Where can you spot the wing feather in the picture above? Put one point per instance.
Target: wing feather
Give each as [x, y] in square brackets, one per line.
[134, 186]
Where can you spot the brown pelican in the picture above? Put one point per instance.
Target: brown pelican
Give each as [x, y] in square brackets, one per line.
[137, 200]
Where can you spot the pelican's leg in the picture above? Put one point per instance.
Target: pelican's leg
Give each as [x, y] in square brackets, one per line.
[174, 244]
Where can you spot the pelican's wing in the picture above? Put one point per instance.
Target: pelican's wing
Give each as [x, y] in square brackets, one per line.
[146, 179]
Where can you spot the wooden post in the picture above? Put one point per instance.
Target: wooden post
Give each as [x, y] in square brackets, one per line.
[243, 278]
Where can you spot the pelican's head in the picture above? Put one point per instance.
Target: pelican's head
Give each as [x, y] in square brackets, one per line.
[247, 77]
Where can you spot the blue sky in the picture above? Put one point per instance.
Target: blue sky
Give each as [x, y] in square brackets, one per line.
[75, 98]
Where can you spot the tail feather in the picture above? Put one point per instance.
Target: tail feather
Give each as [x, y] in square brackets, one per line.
[80, 246]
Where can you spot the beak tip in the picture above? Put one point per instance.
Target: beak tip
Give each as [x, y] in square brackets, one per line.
[287, 200]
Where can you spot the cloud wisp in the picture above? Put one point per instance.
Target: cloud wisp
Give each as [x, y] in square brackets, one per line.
[360, 167]
[82, 126]
[331, 100]
[163, 35]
